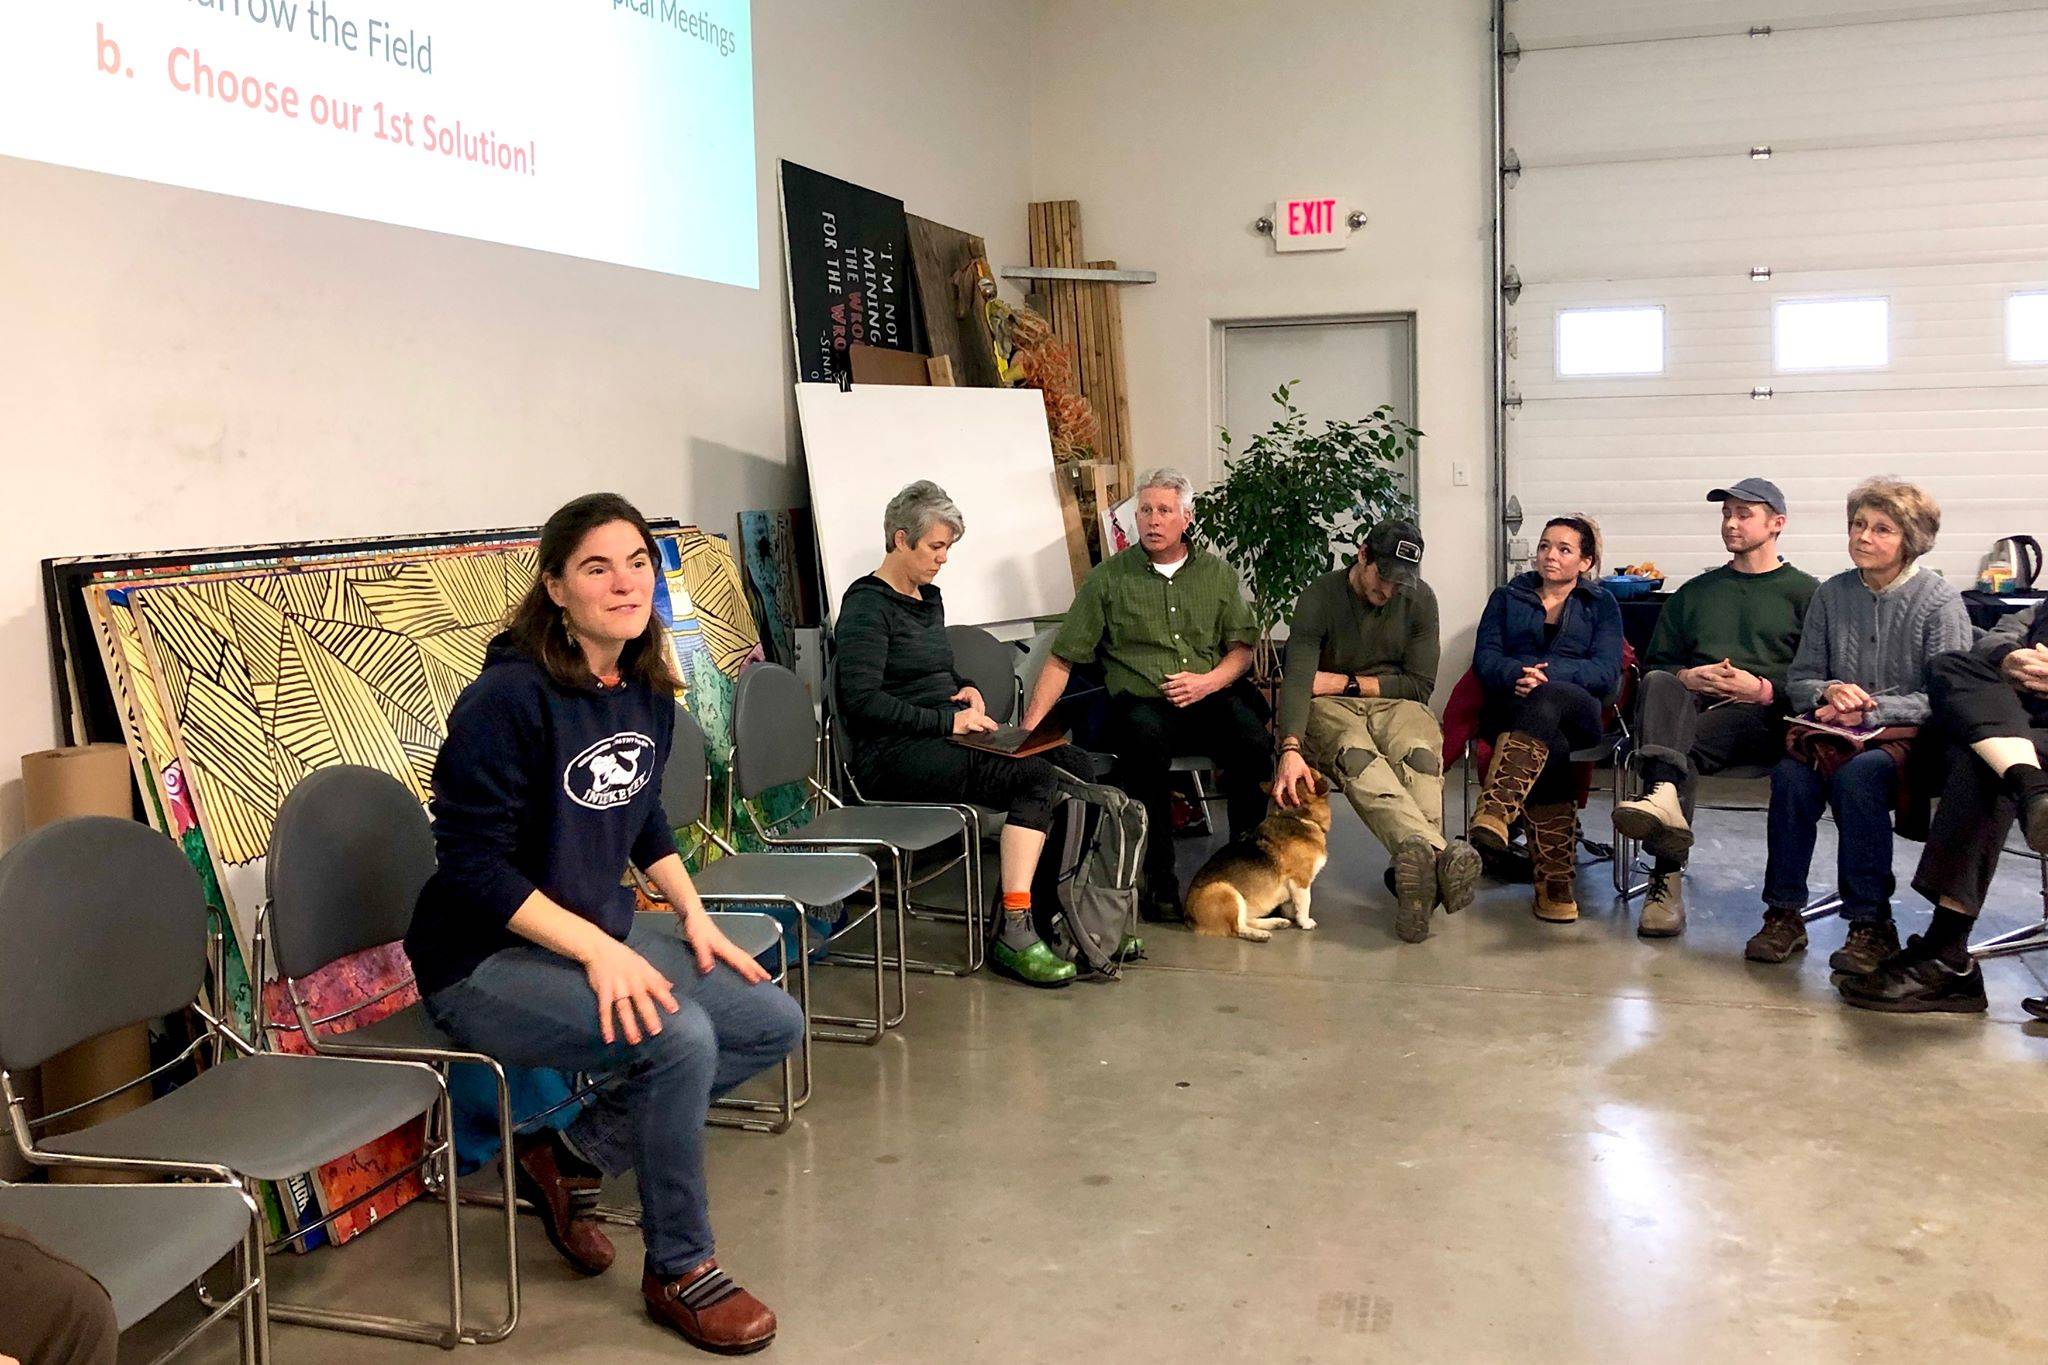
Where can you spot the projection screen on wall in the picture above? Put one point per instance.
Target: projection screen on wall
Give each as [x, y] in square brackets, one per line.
[616, 130]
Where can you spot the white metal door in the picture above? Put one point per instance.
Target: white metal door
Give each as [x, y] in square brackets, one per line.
[1724, 164]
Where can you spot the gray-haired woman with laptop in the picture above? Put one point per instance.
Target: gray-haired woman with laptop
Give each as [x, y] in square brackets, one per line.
[902, 701]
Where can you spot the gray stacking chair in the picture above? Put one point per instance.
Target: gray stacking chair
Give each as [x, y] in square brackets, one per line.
[106, 927]
[799, 880]
[348, 856]
[990, 666]
[777, 743]
[145, 1244]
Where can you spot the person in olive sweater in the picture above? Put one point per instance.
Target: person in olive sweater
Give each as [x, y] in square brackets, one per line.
[1362, 656]
[1713, 693]
[901, 702]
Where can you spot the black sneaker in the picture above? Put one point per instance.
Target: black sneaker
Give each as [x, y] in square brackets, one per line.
[1870, 944]
[2036, 1005]
[1920, 980]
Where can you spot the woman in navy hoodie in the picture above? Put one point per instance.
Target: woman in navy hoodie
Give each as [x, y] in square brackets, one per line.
[1549, 656]
[525, 944]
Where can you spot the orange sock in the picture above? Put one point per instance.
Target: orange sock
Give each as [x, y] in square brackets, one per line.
[1016, 901]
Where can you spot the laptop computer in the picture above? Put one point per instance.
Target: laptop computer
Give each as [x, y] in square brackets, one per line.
[1014, 741]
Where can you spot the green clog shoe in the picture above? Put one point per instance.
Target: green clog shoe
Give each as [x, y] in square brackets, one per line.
[1037, 965]
[1131, 949]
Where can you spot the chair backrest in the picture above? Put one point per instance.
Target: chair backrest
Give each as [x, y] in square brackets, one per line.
[102, 925]
[1035, 655]
[990, 667]
[774, 731]
[348, 856]
[683, 780]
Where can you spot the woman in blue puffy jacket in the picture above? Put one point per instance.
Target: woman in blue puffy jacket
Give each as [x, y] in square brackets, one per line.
[1549, 656]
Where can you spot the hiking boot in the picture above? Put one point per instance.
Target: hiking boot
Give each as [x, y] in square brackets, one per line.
[1656, 820]
[709, 1311]
[1414, 888]
[1036, 965]
[1457, 875]
[563, 1191]
[1869, 943]
[1517, 761]
[1554, 838]
[1783, 934]
[1663, 907]
[1920, 980]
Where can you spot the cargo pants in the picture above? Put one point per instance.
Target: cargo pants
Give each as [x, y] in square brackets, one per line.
[1387, 757]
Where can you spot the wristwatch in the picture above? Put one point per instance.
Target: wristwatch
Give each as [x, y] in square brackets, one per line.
[1351, 688]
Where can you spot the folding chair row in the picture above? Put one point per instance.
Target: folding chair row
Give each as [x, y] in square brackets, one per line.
[107, 927]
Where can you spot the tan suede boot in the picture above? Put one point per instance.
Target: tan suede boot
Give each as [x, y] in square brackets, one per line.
[1553, 840]
[1517, 760]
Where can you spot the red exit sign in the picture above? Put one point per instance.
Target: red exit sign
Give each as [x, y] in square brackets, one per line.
[1310, 224]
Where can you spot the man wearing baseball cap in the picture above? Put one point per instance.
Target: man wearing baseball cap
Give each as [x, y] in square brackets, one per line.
[1362, 655]
[1713, 695]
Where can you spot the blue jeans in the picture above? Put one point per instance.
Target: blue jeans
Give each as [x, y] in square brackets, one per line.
[1861, 794]
[530, 1007]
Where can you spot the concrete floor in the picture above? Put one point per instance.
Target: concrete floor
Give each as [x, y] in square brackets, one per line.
[1515, 1142]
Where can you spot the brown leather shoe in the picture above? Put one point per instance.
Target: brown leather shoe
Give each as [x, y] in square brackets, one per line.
[709, 1311]
[566, 1202]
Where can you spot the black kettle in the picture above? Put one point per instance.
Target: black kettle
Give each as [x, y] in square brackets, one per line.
[2024, 554]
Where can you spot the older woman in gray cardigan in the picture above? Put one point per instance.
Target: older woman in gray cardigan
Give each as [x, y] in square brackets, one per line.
[1862, 659]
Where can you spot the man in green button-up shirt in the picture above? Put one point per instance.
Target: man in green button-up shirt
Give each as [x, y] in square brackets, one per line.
[1174, 634]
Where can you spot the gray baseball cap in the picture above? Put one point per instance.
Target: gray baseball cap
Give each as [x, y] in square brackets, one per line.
[1760, 491]
[1396, 548]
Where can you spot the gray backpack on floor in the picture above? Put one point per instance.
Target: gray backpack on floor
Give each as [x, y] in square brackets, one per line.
[1084, 895]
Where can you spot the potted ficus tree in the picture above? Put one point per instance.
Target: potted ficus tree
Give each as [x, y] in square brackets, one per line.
[1293, 503]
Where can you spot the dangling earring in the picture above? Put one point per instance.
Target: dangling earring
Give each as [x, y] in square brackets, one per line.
[568, 634]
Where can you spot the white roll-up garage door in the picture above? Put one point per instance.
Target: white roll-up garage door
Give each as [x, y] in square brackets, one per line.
[1806, 239]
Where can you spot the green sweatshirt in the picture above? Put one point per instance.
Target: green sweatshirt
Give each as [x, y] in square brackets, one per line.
[1750, 619]
[1336, 632]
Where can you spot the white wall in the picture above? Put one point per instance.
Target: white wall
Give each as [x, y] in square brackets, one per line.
[1176, 122]
[179, 369]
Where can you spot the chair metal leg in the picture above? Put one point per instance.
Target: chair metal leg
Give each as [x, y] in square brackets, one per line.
[785, 1112]
[1820, 909]
[902, 944]
[1207, 825]
[2030, 939]
[484, 1336]
[1627, 851]
[870, 1031]
[242, 1302]
[245, 1263]
[454, 1207]
[445, 1335]
[903, 964]
[975, 877]
[971, 918]
[260, 1253]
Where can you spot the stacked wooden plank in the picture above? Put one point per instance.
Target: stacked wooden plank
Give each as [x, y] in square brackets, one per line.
[1089, 319]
